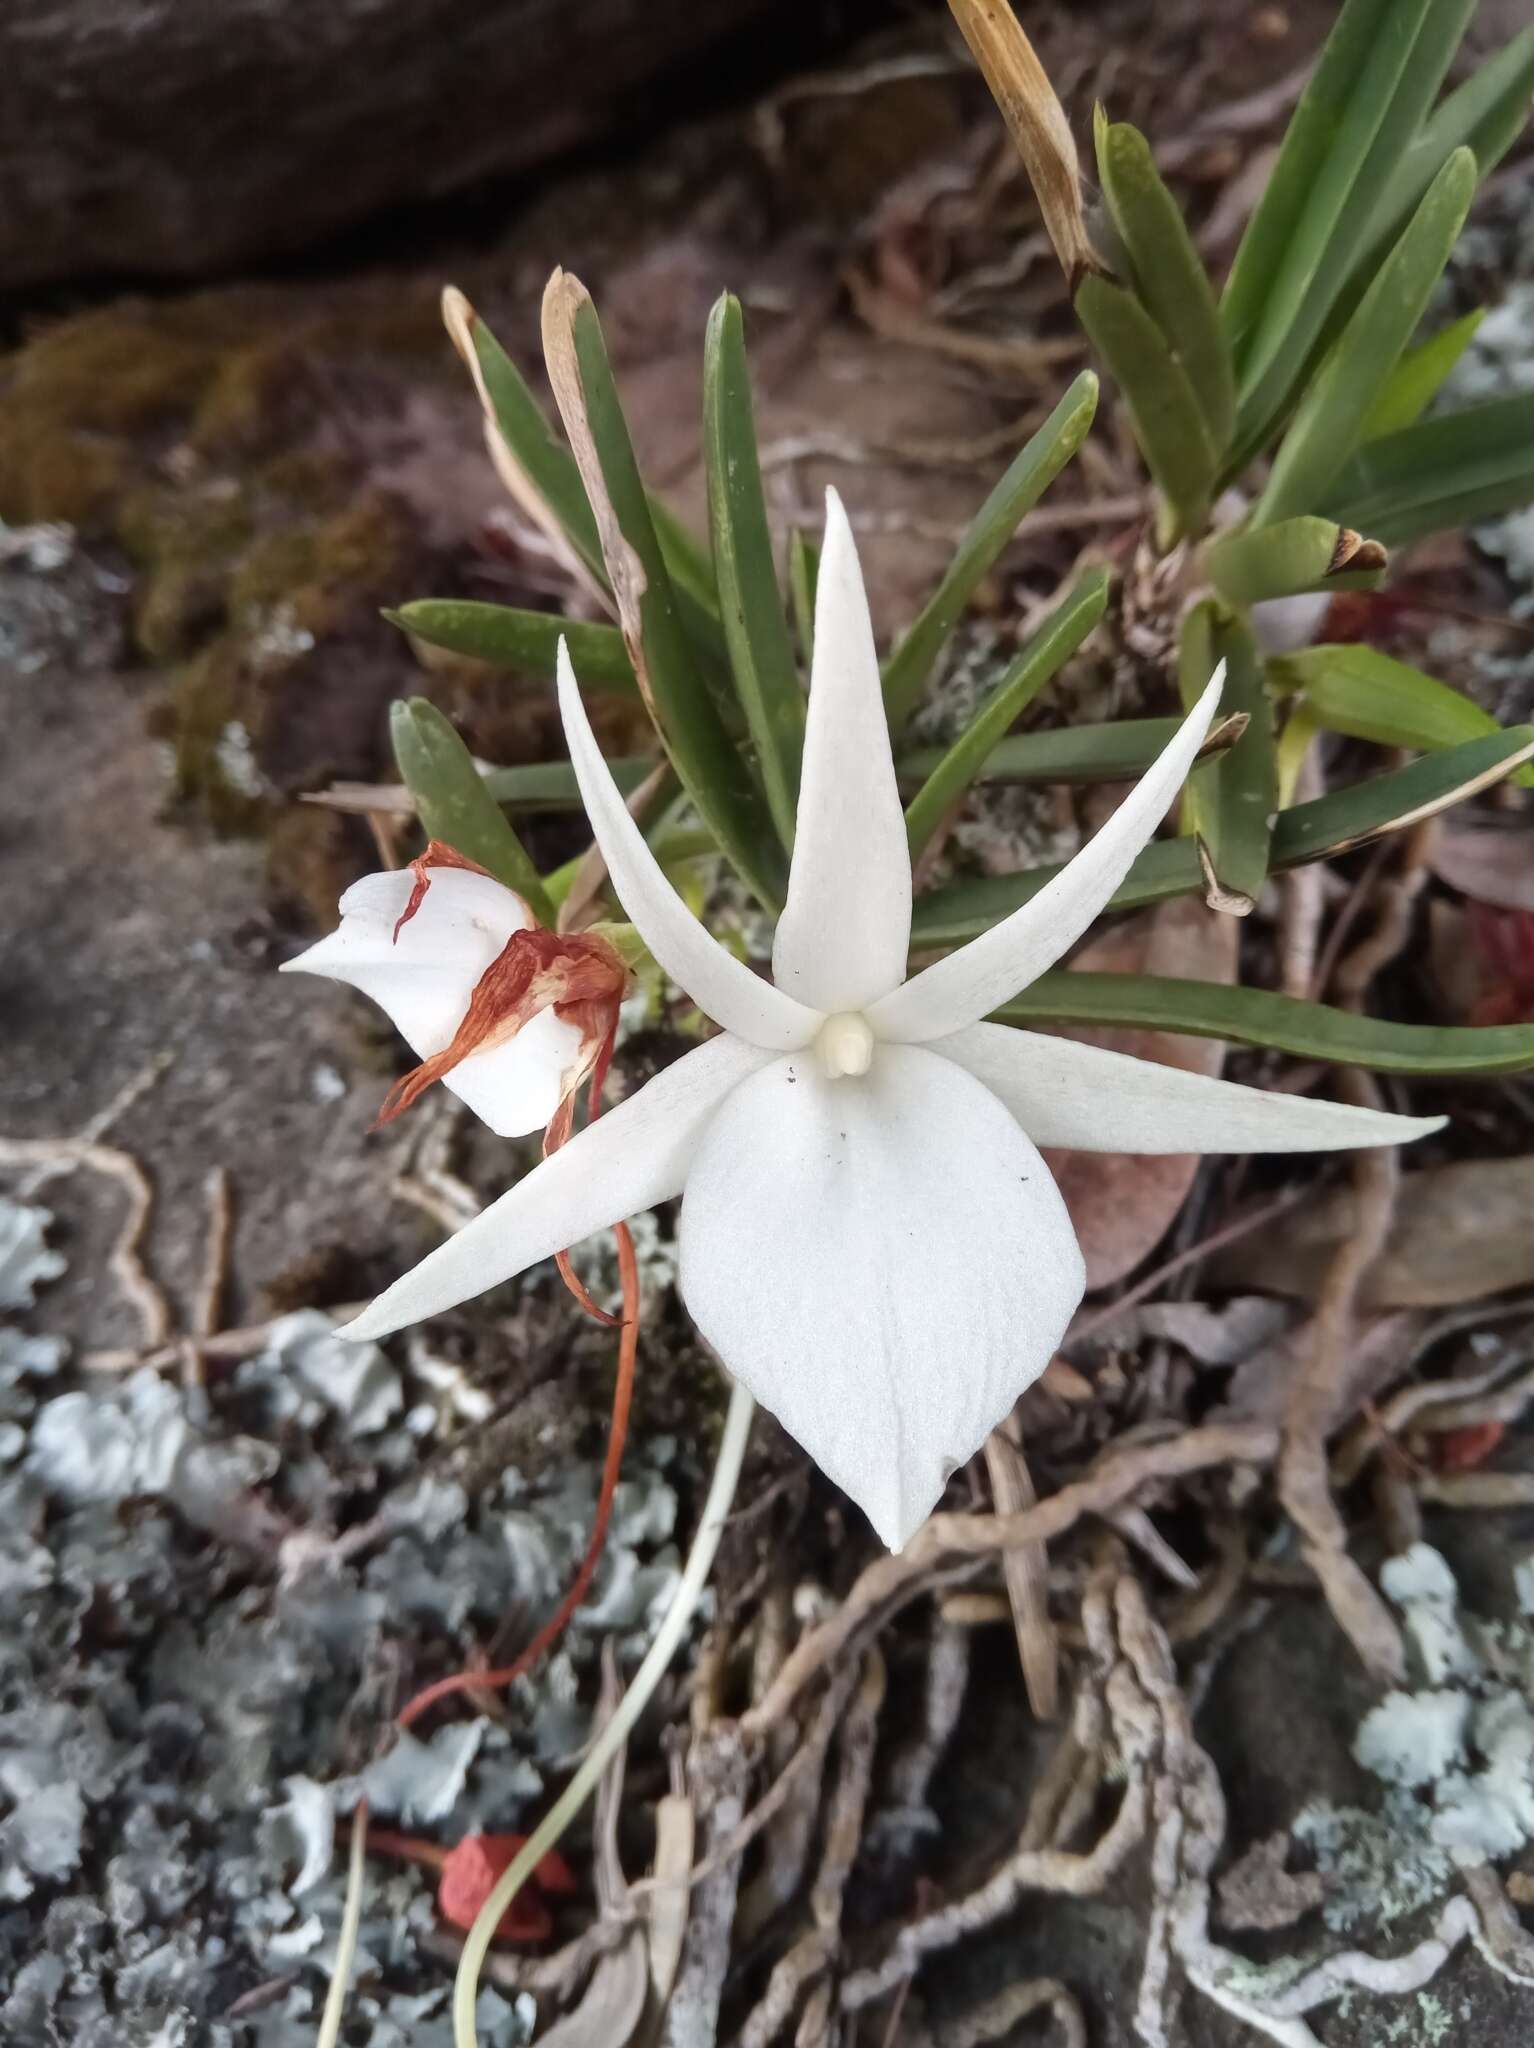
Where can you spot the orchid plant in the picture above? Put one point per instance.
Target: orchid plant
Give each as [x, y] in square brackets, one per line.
[870, 1241]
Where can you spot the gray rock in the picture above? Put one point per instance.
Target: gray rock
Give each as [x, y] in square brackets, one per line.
[165, 139]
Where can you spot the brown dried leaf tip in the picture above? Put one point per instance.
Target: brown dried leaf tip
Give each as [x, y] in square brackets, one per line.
[1037, 123]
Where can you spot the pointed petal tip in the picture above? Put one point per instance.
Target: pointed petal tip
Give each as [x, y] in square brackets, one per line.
[366, 1326]
[895, 1521]
[304, 962]
[1411, 1128]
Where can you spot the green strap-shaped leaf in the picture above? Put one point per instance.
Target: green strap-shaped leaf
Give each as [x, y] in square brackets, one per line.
[1485, 115]
[1045, 654]
[1169, 276]
[1115, 752]
[1419, 376]
[1329, 825]
[524, 641]
[1250, 566]
[1403, 66]
[692, 578]
[1318, 126]
[1254, 1016]
[1325, 428]
[547, 464]
[803, 575]
[1369, 696]
[551, 786]
[553, 473]
[755, 630]
[453, 803]
[1442, 472]
[713, 770]
[1169, 422]
[1229, 803]
[1028, 476]
[1077, 754]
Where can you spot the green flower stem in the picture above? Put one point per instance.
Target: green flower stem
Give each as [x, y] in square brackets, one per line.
[721, 1492]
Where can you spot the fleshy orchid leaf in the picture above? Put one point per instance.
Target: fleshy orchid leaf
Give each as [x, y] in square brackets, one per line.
[1377, 78]
[1169, 421]
[1041, 659]
[1115, 752]
[1169, 276]
[750, 607]
[551, 785]
[1419, 376]
[953, 992]
[1254, 564]
[536, 451]
[1486, 115]
[1254, 1016]
[712, 769]
[548, 480]
[1298, 736]
[1326, 425]
[1027, 477]
[803, 570]
[1369, 696]
[454, 805]
[1324, 124]
[1229, 803]
[1328, 825]
[522, 641]
[1451, 470]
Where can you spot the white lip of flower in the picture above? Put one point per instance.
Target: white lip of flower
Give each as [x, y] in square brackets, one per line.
[869, 1238]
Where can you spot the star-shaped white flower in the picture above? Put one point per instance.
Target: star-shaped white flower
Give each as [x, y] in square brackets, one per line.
[870, 1240]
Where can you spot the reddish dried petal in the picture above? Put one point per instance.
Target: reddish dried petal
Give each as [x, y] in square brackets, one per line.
[581, 978]
[471, 1871]
[438, 854]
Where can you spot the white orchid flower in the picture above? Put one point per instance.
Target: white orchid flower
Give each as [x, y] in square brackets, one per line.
[869, 1238]
[509, 1016]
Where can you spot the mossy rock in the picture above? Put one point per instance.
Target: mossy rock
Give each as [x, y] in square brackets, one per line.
[213, 441]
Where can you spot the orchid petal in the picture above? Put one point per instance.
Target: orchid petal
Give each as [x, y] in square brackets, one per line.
[423, 979]
[631, 1158]
[723, 987]
[962, 988]
[842, 939]
[884, 1262]
[1063, 1093]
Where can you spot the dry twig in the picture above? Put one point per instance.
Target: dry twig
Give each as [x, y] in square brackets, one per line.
[125, 1260]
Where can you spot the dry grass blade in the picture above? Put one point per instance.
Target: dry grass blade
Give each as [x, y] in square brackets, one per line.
[1026, 1570]
[459, 318]
[1036, 122]
[563, 298]
[667, 1909]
